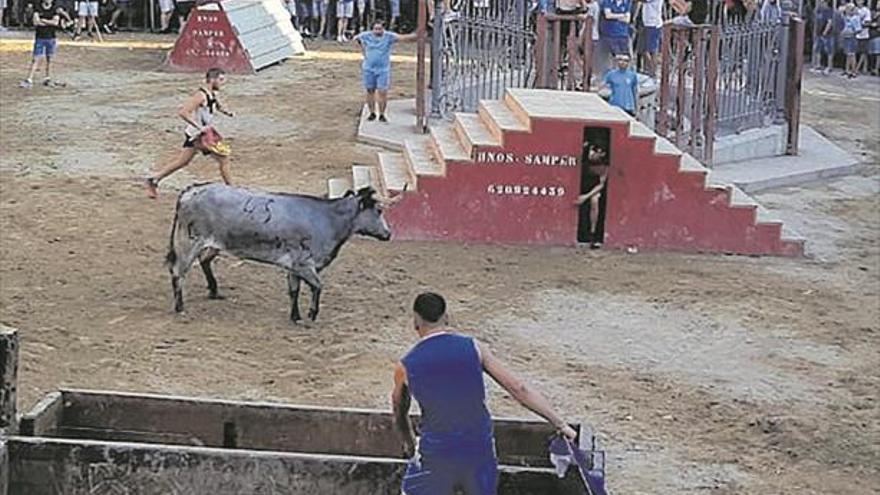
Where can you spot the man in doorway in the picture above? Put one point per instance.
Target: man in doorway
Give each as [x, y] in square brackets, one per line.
[596, 178]
[344, 13]
[198, 113]
[444, 372]
[615, 28]
[652, 27]
[376, 46]
[623, 83]
[46, 21]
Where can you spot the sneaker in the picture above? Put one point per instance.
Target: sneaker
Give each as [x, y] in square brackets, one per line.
[107, 28]
[26, 84]
[151, 188]
[47, 82]
[372, 117]
[382, 118]
[595, 245]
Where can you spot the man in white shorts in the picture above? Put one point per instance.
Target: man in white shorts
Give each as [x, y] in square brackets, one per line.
[88, 19]
[166, 9]
[344, 12]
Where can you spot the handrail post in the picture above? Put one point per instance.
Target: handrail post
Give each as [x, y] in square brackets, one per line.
[666, 68]
[421, 117]
[541, 51]
[588, 54]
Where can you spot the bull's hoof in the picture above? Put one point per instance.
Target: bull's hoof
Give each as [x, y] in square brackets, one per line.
[178, 308]
[313, 315]
[216, 296]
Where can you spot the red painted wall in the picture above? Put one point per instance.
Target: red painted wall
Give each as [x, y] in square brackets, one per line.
[651, 204]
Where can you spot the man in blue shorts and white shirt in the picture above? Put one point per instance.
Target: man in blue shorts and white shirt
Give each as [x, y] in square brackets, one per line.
[444, 372]
[652, 22]
[615, 27]
[376, 46]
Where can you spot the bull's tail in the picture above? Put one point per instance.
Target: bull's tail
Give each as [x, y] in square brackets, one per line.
[171, 256]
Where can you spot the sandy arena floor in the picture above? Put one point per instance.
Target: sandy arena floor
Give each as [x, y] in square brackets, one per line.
[705, 374]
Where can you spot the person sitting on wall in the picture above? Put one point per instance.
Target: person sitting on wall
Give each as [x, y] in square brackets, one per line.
[597, 176]
[624, 85]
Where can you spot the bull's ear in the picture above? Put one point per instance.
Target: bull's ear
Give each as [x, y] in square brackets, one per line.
[366, 192]
[348, 194]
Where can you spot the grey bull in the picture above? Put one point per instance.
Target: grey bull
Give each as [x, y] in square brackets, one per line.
[302, 234]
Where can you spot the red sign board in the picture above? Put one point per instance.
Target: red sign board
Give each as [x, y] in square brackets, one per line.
[208, 40]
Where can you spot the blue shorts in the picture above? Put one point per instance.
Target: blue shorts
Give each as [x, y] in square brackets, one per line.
[825, 44]
[617, 45]
[849, 46]
[319, 8]
[652, 39]
[377, 79]
[442, 477]
[44, 47]
[395, 8]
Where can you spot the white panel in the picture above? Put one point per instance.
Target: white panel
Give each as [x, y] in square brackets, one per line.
[264, 30]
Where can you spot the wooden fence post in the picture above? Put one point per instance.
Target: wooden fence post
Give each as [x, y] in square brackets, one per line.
[795, 76]
[541, 51]
[421, 113]
[9, 343]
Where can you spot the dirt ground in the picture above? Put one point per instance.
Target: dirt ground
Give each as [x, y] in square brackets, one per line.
[704, 374]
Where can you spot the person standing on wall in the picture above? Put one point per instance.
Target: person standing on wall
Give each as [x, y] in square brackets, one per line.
[616, 25]
[623, 82]
[443, 371]
[652, 28]
[376, 47]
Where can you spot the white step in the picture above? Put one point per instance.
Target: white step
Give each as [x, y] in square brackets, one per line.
[662, 146]
[562, 105]
[446, 145]
[420, 160]
[498, 118]
[336, 188]
[395, 175]
[690, 164]
[472, 132]
[638, 129]
[362, 176]
[740, 199]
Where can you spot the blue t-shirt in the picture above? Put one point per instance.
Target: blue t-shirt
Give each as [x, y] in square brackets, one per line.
[623, 85]
[613, 28]
[445, 376]
[823, 16]
[377, 50]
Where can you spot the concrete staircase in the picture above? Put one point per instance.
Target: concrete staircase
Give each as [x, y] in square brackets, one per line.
[658, 197]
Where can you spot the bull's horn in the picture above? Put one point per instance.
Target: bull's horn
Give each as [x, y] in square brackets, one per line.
[389, 202]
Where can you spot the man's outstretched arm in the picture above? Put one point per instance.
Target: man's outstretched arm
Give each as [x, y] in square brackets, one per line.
[400, 403]
[524, 394]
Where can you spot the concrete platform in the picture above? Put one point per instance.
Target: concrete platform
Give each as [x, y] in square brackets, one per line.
[401, 125]
[819, 159]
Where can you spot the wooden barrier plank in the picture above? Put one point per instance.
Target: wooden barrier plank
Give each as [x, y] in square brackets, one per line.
[44, 418]
[82, 466]
[265, 426]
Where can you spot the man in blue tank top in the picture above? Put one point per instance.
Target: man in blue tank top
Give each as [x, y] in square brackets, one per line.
[444, 372]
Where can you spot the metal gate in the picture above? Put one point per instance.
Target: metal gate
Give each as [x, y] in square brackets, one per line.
[485, 46]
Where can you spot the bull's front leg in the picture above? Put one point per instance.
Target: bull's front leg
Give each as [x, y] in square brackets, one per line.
[310, 276]
[293, 291]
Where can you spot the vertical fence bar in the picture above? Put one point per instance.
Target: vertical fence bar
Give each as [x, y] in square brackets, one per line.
[699, 80]
[587, 75]
[557, 40]
[666, 67]
[711, 95]
[541, 51]
[681, 41]
[793, 95]
[421, 115]
[437, 56]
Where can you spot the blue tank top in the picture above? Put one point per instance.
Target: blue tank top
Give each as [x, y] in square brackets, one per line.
[445, 376]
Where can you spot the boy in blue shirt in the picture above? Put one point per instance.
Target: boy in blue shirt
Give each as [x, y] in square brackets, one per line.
[616, 25]
[624, 85]
[376, 46]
